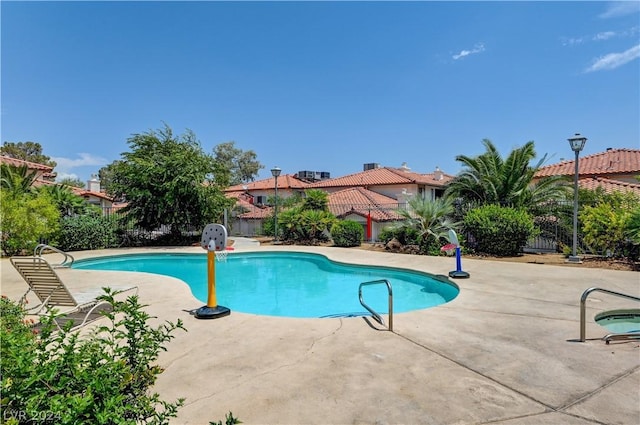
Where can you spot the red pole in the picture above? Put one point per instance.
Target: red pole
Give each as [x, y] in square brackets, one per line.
[369, 226]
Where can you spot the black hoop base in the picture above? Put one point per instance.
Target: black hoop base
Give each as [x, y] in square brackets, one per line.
[458, 274]
[206, 312]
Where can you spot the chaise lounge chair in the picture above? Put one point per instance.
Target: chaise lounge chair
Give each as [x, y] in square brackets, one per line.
[52, 293]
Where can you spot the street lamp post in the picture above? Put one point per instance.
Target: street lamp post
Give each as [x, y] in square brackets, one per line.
[275, 172]
[577, 143]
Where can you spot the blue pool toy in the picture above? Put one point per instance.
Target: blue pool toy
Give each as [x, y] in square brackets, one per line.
[458, 273]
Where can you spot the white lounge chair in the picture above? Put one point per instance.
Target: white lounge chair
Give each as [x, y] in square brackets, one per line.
[52, 293]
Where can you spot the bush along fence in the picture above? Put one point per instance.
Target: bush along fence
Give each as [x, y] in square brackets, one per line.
[553, 224]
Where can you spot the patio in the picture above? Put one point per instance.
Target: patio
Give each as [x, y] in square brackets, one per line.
[503, 351]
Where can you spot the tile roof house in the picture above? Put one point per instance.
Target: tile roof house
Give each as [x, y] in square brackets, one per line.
[611, 170]
[392, 182]
[370, 196]
[45, 177]
[44, 173]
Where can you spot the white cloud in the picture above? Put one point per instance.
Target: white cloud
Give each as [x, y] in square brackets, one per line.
[63, 176]
[64, 166]
[604, 35]
[572, 41]
[620, 8]
[478, 48]
[84, 160]
[614, 60]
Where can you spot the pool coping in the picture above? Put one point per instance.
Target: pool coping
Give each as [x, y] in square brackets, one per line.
[504, 350]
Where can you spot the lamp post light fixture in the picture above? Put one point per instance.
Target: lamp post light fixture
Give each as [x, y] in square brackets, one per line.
[275, 172]
[577, 143]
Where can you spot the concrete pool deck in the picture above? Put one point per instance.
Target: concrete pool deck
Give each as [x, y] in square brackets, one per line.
[504, 351]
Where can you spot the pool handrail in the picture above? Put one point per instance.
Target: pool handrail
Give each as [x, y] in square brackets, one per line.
[41, 248]
[375, 315]
[583, 313]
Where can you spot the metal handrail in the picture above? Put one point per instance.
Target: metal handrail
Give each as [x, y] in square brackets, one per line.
[583, 313]
[375, 315]
[66, 262]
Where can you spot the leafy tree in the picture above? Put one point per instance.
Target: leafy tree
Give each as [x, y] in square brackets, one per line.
[74, 182]
[17, 180]
[26, 151]
[26, 219]
[490, 179]
[242, 166]
[168, 180]
[105, 174]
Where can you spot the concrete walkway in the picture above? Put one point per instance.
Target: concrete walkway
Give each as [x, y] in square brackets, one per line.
[503, 351]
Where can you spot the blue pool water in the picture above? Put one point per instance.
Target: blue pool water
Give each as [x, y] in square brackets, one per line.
[620, 321]
[289, 284]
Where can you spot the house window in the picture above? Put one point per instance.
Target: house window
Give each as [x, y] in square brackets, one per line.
[261, 200]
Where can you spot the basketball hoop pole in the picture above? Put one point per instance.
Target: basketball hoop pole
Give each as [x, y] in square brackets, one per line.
[211, 279]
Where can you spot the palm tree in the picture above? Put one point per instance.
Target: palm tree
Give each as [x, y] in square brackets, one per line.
[488, 179]
[430, 218]
[17, 180]
[67, 202]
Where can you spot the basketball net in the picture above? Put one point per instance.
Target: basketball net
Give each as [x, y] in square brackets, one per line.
[221, 256]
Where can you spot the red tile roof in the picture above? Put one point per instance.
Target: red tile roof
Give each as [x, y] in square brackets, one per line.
[609, 185]
[361, 201]
[383, 176]
[285, 181]
[610, 162]
[31, 165]
[253, 211]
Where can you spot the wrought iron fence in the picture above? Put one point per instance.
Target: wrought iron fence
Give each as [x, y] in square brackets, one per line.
[553, 219]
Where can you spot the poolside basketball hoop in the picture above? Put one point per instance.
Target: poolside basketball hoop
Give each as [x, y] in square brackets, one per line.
[214, 240]
[221, 256]
[454, 244]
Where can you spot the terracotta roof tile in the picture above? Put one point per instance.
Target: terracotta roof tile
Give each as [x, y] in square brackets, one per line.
[383, 176]
[612, 161]
[253, 211]
[19, 162]
[285, 181]
[361, 201]
[609, 185]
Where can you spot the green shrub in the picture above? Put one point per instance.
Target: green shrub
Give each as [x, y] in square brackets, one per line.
[307, 227]
[26, 219]
[85, 232]
[67, 377]
[500, 231]
[347, 233]
[608, 226]
[404, 235]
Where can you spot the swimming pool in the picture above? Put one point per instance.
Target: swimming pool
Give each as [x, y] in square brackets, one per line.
[289, 283]
[619, 321]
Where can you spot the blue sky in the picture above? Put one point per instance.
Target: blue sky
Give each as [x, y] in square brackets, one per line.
[321, 86]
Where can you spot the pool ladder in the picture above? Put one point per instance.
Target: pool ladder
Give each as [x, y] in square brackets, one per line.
[41, 248]
[583, 315]
[378, 318]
